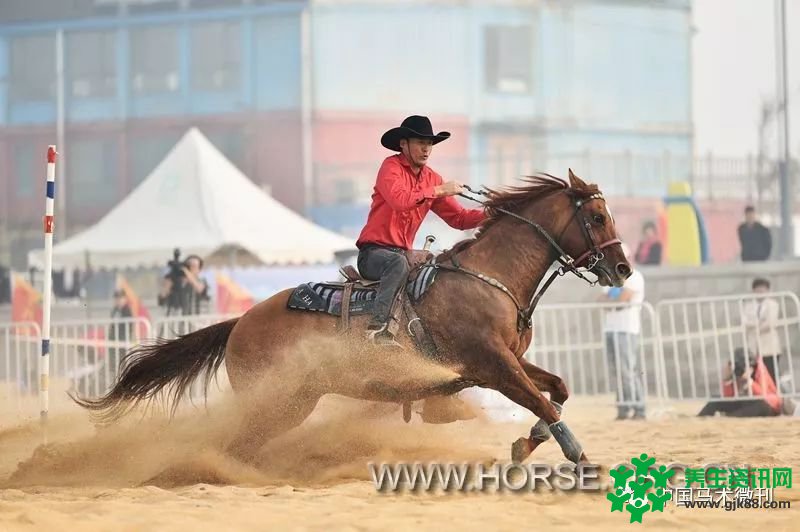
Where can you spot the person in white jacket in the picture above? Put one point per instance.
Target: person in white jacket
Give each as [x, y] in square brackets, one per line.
[760, 317]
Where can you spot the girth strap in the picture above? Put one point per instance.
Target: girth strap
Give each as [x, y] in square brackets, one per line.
[418, 332]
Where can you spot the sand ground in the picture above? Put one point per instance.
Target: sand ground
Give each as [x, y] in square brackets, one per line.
[153, 475]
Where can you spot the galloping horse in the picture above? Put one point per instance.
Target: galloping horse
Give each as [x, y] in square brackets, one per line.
[288, 359]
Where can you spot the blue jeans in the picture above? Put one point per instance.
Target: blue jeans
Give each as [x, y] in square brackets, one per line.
[389, 266]
[622, 350]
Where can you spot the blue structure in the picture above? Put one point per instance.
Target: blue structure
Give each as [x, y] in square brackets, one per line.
[599, 85]
[152, 65]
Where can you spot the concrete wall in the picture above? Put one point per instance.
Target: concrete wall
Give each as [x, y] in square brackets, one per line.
[667, 283]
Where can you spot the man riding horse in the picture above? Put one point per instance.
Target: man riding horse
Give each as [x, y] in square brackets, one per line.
[405, 190]
[281, 360]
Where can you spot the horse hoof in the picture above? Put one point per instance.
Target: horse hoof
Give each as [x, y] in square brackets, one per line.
[583, 459]
[520, 450]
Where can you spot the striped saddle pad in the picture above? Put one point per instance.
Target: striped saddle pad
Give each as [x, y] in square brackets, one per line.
[327, 297]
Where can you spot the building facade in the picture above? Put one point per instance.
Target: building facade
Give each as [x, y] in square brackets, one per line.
[297, 94]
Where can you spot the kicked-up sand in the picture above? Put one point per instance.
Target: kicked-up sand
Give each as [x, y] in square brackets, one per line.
[151, 474]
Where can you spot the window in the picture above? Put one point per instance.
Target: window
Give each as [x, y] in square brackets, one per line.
[33, 66]
[154, 60]
[216, 56]
[507, 58]
[91, 64]
[25, 169]
[92, 173]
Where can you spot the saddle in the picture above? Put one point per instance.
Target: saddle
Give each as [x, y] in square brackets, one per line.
[355, 296]
[415, 257]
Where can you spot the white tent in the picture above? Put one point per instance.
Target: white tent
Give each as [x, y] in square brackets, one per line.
[198, 201]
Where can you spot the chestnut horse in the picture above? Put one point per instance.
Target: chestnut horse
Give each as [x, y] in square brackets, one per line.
[288, 359]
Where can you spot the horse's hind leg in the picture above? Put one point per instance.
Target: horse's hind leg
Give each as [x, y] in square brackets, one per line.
[269, 417]
[540, 432]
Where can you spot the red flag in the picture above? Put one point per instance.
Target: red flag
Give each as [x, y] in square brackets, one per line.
[231, 297]
[26, 301]
[764, 385]
[138, 310]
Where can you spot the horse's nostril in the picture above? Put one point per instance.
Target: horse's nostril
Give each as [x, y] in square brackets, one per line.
[623, 270]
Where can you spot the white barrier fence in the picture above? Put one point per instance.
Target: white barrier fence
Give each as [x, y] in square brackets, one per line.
[680, 353]
[700, 338]
[20, 347]
[87, 353]
[594, 349]
[587, 346]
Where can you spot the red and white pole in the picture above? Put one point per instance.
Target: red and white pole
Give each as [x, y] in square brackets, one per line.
[44, 360]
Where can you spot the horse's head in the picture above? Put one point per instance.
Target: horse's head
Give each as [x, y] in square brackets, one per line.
[573, 217]
[588, 234]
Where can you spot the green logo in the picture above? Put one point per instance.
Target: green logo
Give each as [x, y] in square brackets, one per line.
[641, 489]
[741, 478]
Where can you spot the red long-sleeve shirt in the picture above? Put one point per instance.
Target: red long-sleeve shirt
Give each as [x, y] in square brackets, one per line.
[401, 200]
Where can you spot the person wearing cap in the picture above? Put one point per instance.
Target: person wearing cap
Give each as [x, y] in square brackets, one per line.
[406, 189]
[623, 327]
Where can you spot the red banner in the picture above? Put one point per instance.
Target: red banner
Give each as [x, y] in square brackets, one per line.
[26, 301]
[138, 310]
[231, 297]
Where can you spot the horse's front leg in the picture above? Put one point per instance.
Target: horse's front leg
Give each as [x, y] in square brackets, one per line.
[540, 432]
[508, 377]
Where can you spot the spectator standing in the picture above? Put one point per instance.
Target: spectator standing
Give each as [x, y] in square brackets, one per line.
[649, 250]
[622, 327]
[754, 238]
[760, 317]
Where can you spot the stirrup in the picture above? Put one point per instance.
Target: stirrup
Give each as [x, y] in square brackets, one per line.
[371, 333]
[386, 342]
[381, 338]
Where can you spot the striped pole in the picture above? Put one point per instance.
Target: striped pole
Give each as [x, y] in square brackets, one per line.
[44, 360]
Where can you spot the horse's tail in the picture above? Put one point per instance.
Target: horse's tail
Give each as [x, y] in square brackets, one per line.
[173, 365]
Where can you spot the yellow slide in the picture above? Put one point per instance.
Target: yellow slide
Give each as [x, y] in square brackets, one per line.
[685, 246]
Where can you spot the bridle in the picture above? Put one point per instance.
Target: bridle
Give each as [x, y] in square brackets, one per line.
[594, 254]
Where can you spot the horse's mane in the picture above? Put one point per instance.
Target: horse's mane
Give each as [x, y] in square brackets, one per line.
[534, 188]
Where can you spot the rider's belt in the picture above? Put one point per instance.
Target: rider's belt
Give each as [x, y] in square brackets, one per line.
[366, 247]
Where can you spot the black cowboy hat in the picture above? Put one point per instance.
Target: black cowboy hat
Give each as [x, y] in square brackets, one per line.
[417, 127]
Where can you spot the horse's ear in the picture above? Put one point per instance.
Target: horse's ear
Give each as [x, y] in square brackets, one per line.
[575, 181]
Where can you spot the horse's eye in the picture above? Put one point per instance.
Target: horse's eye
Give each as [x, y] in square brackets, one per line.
[598, 219]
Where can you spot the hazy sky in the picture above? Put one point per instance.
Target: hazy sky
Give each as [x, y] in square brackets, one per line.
[734, 72]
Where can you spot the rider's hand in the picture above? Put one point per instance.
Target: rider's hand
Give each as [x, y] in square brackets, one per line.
[450, 188]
